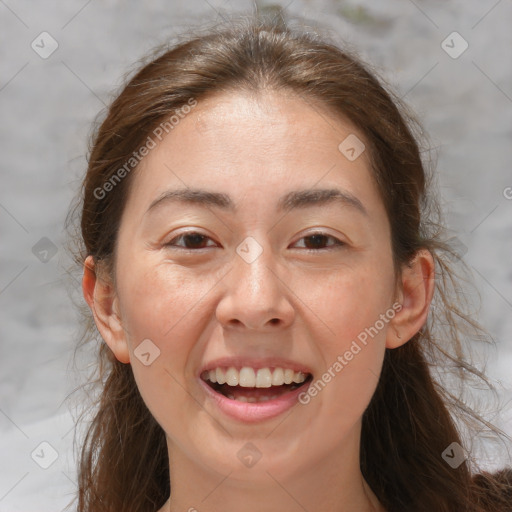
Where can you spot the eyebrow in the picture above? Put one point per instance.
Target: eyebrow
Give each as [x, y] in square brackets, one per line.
[290, 201]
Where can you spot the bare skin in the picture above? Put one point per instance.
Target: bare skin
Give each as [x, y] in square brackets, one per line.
[303, 301]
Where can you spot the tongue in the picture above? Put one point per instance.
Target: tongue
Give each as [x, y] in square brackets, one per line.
[238, 391]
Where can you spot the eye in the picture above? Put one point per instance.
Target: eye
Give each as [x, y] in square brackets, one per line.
[193, 240]
[319, 239]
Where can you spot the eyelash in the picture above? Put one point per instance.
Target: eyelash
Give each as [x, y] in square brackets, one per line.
[338, 243]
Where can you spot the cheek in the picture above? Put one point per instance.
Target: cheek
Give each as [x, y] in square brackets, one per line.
[159, 311]
[353, 305]
[158, 303]
[350, 302]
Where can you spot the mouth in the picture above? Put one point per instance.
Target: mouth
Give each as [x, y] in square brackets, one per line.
[252, 385]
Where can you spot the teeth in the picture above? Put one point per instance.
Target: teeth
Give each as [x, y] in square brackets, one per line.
[251, 399]
[278, 377]
[288, 376]
[232, 377]
[219, 376]
[249, 377]
[263, 378]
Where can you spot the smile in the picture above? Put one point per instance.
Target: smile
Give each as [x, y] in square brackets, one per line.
[251, 394]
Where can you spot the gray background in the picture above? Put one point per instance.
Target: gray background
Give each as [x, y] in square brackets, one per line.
[47, 107]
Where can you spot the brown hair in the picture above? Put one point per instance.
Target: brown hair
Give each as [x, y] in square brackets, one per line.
[411, 418]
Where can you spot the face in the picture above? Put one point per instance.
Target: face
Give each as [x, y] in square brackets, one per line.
[265, 272]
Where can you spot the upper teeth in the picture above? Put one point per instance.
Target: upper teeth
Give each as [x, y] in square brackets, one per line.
[249, 378]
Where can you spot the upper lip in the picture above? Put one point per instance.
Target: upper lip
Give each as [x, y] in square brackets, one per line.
[256, 363]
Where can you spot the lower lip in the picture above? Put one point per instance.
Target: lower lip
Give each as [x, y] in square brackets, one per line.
[247, 412]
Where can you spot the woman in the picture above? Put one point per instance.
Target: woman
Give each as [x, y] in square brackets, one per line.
[260, 255]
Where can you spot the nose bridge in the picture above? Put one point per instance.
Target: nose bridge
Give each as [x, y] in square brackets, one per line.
[255, 268]
[255, 294]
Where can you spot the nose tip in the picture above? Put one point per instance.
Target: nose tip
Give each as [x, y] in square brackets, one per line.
[254, 295]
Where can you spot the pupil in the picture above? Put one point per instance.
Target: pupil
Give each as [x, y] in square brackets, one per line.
[319, 239]
[196, 239]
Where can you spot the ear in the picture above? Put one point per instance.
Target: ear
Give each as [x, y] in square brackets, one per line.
[416, 288]
[100, 295]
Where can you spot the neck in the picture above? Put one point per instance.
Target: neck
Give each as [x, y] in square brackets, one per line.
[332, 483]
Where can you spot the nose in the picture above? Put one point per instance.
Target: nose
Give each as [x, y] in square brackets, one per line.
[255, 296]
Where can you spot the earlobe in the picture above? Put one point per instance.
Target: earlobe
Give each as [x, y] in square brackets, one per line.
[415, 295]
[100, 296]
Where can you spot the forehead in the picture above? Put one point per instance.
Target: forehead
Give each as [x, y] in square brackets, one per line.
[269, 121]
[244, 144]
